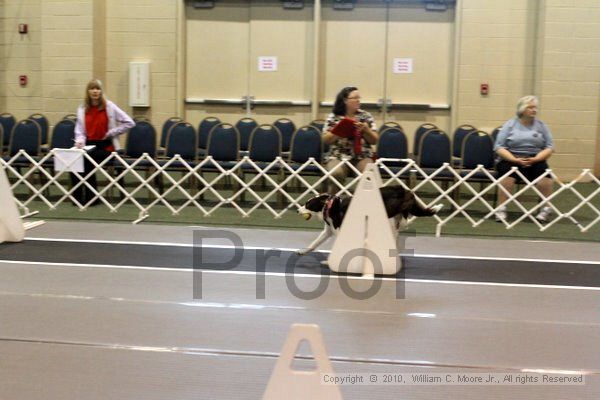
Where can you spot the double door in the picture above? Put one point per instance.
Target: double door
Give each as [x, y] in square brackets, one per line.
[358, 47]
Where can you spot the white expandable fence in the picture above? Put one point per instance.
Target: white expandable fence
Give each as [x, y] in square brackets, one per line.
[178, 184]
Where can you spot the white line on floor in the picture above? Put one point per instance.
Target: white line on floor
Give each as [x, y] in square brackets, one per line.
[267, 354]
[297, 276]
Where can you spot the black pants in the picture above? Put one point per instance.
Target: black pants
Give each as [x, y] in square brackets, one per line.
[83, 194]
[531, 173]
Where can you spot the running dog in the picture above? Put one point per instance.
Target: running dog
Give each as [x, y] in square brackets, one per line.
[331, 209]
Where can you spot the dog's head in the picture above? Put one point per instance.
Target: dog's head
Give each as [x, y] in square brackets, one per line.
[313, 206]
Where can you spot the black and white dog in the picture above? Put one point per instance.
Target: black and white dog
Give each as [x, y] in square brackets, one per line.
[331, 209]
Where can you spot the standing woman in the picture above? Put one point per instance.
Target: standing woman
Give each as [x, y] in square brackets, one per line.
[524, 142]
[99, 123]
[353, 145]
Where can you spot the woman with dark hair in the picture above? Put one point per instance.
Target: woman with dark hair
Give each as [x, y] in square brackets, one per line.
[351, 133]
[524, 142]
[99, 123]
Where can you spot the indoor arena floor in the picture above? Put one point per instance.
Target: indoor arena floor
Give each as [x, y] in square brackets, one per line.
[116, 311]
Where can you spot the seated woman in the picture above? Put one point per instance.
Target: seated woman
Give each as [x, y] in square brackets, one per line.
[524, 142]
[350, 132]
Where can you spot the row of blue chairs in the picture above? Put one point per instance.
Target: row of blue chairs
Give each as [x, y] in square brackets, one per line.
[432, 147]
[262, 142]
[458, 137]
[8, 121]
[223, 142]
[245, 126]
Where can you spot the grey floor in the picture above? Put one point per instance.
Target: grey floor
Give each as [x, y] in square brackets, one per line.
[105, 332]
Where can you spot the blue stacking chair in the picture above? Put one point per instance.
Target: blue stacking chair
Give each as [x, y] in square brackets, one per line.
[140, 139]
[224, 144]
[457, 140]
[245, 126]
[182, 139]
[43, 123]
[72, 117]
[434, 150]
[265, 143]
[318, 123]
[287, 128]
[419, 132]
[165, 132]
[495, 133]
[392, 143]
[140, 118]
[63, 135]
[389, 124]
[306, 143]
[7, 121]
[264, 148]
[26, 135]
[204, 129]
[478, 149]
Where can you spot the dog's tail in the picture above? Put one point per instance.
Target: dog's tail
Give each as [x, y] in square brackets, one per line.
[419, 211]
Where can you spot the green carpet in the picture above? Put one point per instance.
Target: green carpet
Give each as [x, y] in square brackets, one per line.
[262, 218]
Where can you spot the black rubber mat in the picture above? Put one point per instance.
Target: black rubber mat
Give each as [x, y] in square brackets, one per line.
[415, 267]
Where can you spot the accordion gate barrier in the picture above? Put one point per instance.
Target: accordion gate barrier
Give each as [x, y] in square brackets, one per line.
[184, 183]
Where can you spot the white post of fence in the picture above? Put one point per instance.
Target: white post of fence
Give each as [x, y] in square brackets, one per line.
[11, 226]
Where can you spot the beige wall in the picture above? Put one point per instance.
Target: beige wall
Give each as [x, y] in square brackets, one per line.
[69, 42]
[3, 60]
[569, 82]
[496, 46]
[143, 30]
[21, 56]
[67, 55]
[410, 27]
[548, 47]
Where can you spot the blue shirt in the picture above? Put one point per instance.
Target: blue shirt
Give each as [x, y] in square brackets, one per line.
[523, 140]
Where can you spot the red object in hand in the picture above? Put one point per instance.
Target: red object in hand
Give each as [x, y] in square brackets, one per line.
[357, 142]
[345, 128]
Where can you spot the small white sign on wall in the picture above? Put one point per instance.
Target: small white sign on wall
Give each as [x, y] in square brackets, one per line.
[139, 84]
[403, 66]
[267, 64]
